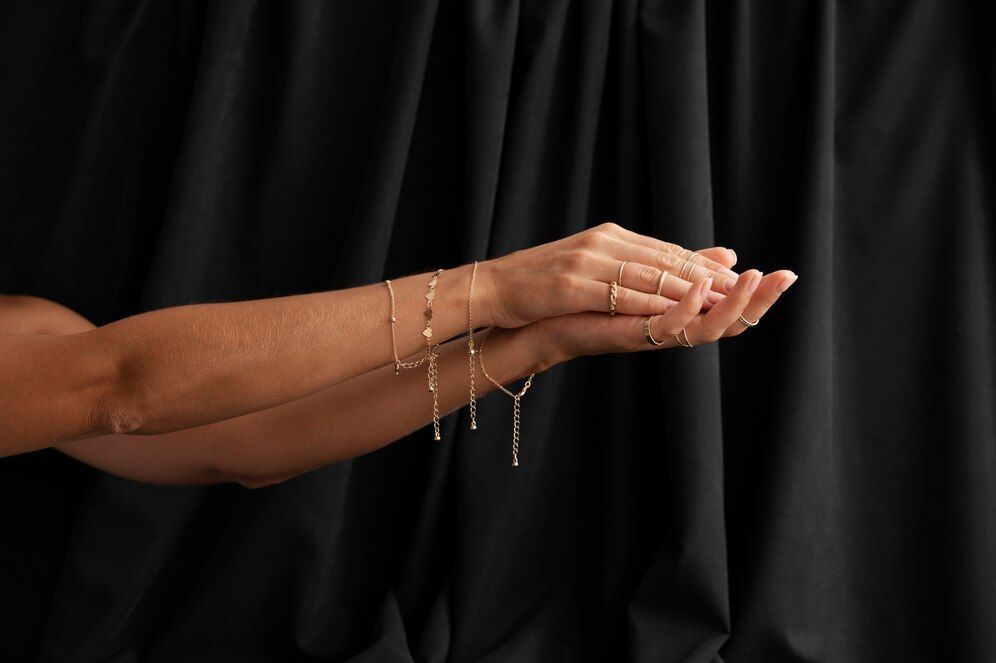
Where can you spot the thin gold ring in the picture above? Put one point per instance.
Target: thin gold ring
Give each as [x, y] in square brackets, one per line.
[613, 293]
[660, 281]
[647, 333]
[747, 323]
[681, 272]
[686, 343]
[622, 266]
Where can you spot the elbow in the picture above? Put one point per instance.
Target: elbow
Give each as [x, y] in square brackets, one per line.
[115, 407]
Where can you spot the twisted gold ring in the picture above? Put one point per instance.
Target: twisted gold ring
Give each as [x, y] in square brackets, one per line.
[613, 293]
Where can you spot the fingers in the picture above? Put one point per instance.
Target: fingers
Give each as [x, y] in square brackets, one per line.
[771, 288]
[725, 257]
[679, 252]
[665, 327]
[595, 296]
[637, 276]
[713, 325]
[689, 270]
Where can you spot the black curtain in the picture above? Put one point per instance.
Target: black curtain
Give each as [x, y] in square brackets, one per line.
[822, 488]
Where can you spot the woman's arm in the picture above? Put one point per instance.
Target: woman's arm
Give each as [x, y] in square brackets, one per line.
[373, 410]
[350, 419]
[192, 365]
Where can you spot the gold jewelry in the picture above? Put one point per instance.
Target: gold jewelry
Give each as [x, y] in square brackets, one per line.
[622, 266]
[470, 348]
[747, 323]
[516, 397]
[660, 281]
[681, 272]
[648, 334]
[433, 354]
[686, 343]
[398, 364]
[613, 293]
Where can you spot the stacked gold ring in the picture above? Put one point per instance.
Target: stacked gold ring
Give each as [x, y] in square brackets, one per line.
[747, 323]
[686, 343]
[660, 281]
[647, 333]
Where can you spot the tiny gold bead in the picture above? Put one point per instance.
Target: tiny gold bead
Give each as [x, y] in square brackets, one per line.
[437, 438]
[473, 426]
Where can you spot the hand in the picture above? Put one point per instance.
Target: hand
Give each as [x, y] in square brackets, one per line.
[571, 275]
[563, 338]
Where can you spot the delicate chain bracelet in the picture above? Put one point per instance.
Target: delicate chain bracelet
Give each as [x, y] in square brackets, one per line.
[470, 348]
[516, 398]
[431, 356]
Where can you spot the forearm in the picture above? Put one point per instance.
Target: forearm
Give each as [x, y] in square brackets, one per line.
[192, 365]
[341, 422]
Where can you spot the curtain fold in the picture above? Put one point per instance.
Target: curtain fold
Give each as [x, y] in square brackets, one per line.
[822, 488]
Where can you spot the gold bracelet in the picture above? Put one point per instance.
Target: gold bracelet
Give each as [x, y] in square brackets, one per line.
[398, 364]
[431, 356]
[516, 398]
[432, 351]
[470, 348]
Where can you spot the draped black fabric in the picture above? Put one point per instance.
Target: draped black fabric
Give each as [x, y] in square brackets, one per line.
[822, 488]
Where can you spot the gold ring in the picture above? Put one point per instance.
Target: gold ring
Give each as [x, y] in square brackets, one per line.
[681, 272]
[686, 343]
[747, 323]
[622, 266]
[648, 334]
[613, 292]
[660, 281]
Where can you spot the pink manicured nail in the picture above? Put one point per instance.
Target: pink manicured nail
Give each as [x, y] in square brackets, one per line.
[787, 282]
[706, 286]
[734, 255]
[754, 282]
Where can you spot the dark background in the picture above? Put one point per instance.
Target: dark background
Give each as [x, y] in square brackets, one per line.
[823, 488]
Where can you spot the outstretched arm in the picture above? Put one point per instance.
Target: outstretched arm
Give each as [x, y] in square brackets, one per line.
[372, 410]
[192, 365]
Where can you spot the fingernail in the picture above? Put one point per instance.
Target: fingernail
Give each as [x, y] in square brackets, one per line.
[706, 286]
[787, 282]
[728, 284]
[734, 255]
[754, 282]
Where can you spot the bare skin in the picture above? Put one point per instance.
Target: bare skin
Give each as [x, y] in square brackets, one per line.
[188, 366]
[376, 408]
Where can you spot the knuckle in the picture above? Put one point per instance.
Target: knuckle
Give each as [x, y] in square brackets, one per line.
[671, 247]
[576, 260]
[648, 276]
[667, 261]
[608, 227]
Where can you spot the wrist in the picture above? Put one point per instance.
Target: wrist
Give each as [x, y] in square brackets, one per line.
[484, 294]
[540, 348]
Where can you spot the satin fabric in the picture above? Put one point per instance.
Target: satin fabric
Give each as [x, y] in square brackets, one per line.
[822, 488]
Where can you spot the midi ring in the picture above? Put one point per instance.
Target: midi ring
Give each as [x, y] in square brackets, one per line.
[686, 343]
[660, 281]
[647, 333]
[681, 272]
[622, 266]
[613, 293]
[747, 323]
